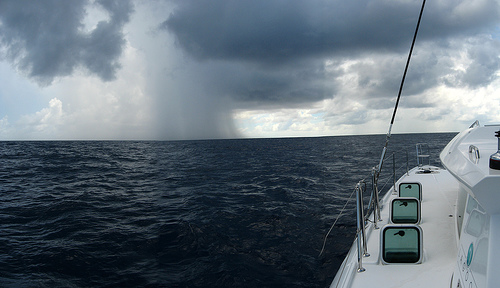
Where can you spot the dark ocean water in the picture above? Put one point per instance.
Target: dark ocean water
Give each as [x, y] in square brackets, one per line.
[218, 213]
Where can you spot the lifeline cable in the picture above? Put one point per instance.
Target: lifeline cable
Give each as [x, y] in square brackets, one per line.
[335, 222]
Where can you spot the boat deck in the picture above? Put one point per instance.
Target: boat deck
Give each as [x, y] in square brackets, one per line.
[438, 223]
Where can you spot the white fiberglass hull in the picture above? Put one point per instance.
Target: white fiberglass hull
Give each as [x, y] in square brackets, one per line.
[439, 240]
[459, 224]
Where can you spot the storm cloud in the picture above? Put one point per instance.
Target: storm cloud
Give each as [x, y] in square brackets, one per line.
[191, 69]
[46, 39]
[274, 32]
[277, 51]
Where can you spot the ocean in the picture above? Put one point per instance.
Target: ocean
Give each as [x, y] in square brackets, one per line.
[212, 213]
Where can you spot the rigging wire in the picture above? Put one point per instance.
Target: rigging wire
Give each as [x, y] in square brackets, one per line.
[407, 63]
[379, 167]
[400, 90]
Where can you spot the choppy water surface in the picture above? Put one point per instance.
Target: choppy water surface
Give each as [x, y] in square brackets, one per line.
[218, 213]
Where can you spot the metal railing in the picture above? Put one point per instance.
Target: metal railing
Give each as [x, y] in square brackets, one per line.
[422, 154]
[378, 184]
[373, 206]
[474, 154]
[360, 221]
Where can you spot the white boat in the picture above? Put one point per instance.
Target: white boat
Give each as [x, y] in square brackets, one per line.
[438, 227]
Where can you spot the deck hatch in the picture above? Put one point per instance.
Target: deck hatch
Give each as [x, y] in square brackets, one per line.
[410, 190]
[401, 244]
[405, 210]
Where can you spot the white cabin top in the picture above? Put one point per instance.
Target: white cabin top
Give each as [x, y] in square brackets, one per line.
[467, 156]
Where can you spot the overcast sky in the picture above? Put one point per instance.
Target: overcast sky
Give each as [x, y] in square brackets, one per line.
[195, 69]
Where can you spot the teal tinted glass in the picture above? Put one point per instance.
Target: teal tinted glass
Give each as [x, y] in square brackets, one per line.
[401, 245]
[410, 190]
[405, 211]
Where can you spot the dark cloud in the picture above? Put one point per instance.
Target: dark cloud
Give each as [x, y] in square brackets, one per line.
[273, 31]
[277, 50]
[258, 54]
[447, 19]
[45, 39]
[257, 86]
[484, 56]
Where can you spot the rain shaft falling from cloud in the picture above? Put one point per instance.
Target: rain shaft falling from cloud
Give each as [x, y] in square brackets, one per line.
[193, 69]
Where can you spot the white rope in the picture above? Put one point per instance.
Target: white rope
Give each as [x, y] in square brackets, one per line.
[335, 222]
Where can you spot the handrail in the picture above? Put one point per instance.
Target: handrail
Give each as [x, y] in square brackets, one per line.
[421, 148]
[475, 124]
[373, 207]
[376, 206]
[394, 172]
[474, 154]
[361, 225]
